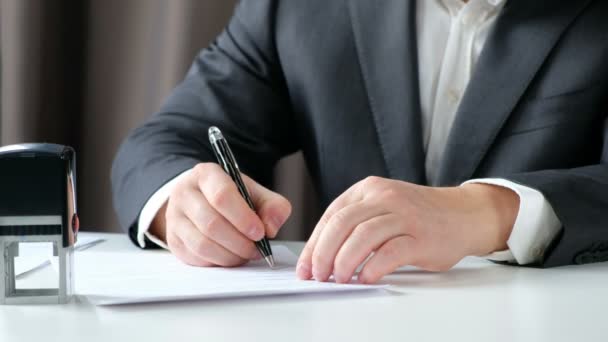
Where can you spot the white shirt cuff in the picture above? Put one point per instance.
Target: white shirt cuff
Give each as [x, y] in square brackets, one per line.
[535, 227]
[151, 208]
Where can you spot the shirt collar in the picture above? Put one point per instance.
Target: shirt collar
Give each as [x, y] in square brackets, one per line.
[461, 3]
[454, 6]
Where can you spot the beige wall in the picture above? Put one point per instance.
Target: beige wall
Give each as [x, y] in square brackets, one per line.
[137, 51]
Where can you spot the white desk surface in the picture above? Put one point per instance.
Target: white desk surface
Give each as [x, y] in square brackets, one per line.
[475, 301]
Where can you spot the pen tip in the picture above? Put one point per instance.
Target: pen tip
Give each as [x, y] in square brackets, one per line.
[270, 261]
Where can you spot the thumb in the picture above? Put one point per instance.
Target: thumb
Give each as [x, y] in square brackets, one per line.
[272, 208]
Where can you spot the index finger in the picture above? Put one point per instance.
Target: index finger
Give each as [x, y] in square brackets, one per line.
[223, 195]
[272, 208]
[304, 268]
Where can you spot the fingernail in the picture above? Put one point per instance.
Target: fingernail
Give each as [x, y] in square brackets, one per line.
[316, 273]
[277, 222]
[255, 255]
[362, 278]
[340, 279]
[303, 271]
[256, 233]
[274, 224]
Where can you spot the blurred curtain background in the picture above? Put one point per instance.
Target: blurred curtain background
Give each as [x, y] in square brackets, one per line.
[85, 72]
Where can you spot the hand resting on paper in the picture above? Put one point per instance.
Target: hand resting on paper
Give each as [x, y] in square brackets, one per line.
[406, 224]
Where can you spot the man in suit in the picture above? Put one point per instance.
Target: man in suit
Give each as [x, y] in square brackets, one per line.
[433, 130]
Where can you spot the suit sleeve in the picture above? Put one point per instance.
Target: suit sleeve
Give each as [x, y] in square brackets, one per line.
[579, 198]
[236, 84]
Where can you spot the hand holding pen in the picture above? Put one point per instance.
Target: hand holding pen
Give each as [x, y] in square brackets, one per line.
[227, 161]
[207, 222]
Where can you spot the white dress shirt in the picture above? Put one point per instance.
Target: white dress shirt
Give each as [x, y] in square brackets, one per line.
[451, 35]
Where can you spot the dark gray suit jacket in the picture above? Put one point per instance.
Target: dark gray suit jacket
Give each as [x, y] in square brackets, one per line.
[338, 80]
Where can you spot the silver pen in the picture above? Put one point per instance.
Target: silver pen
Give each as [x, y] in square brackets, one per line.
[227, 161]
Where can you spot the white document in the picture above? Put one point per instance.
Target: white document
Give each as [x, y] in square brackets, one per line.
[36, 255]
[107, 278]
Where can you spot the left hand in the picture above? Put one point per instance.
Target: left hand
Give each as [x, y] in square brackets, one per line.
[406, 224]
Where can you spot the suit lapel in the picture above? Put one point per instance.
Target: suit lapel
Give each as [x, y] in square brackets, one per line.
[523, 37]
[385, 37]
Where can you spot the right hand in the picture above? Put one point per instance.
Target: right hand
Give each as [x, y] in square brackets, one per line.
[206, 221]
